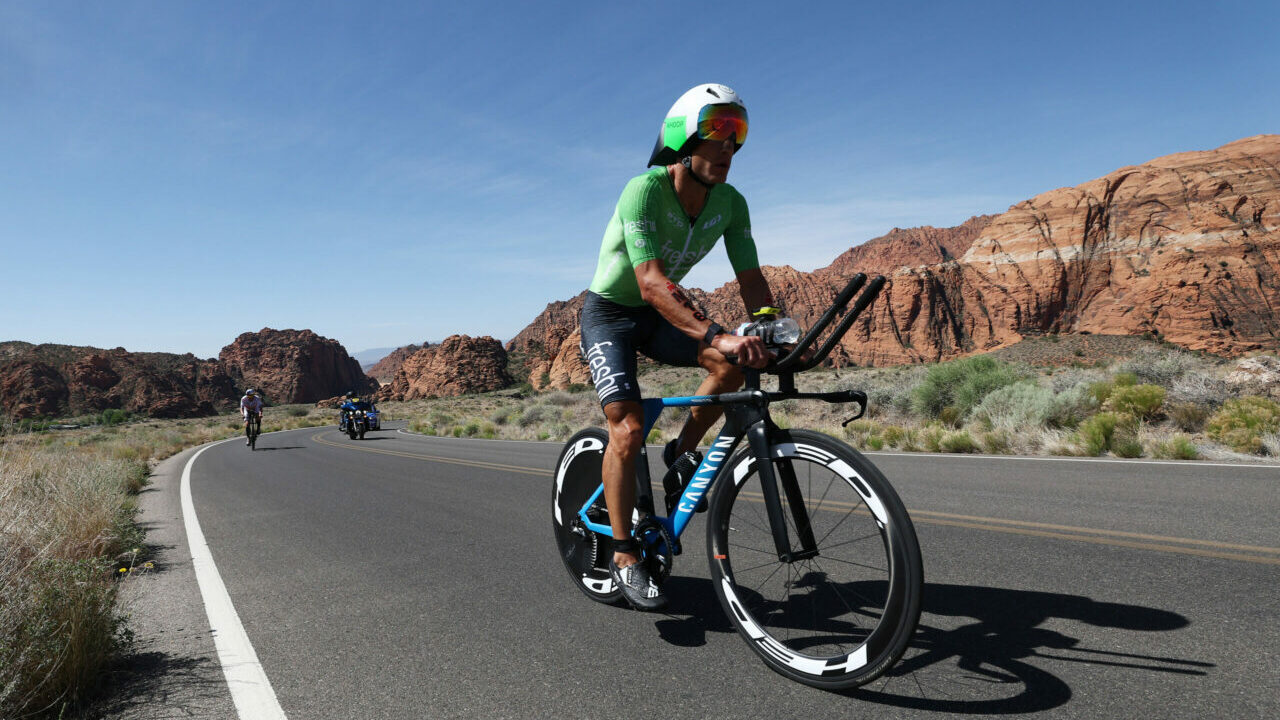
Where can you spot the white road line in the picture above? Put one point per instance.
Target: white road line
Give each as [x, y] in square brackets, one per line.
[250, 688]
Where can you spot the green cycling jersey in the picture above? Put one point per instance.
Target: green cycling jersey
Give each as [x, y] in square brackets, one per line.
[650, 224]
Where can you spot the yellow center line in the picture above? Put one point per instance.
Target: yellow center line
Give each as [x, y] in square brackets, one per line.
[1097, 536]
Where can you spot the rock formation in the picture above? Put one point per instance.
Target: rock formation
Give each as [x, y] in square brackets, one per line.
[1185, 247]
[384, 371]
[459, 365]
[289, 366]
[51, 380]
[294, 366]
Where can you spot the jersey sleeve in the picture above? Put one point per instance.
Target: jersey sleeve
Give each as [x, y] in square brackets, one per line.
[638, 211]
[738, 243]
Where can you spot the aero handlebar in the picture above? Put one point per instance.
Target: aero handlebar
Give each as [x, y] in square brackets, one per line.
[792, 363]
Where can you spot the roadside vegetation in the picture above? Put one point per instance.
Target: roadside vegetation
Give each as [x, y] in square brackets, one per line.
[68, 539]
[1155, 401]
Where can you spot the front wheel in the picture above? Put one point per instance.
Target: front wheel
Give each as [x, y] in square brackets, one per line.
[585, 554]
[843, 613]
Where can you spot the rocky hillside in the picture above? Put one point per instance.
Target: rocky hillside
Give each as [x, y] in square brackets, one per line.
[384, 371]
[294, 366]
[62, 380]
[1185, 247]
[459, 365]
[59, 380]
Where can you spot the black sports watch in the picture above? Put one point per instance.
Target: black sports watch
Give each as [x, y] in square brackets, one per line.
[712, 332]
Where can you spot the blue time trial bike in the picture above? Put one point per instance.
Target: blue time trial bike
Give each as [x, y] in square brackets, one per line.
[812, 554]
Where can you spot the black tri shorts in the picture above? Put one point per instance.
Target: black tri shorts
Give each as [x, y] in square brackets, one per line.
[611, 335]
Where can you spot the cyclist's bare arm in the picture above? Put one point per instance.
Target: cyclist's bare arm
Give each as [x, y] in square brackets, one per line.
[678, 308]
[754, 290]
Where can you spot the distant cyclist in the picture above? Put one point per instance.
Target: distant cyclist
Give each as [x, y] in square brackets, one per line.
[251, 410]
[667, 219]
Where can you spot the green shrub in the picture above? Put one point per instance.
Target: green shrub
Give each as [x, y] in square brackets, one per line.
[894, 435]
[114, 416]
[655, 437]
[298, 412]
[1141, 401]
[1099, 434]
[957, 441]
[1178, 448]
[875, 442]
[961, 384]
[1242, 422]
[930, 437]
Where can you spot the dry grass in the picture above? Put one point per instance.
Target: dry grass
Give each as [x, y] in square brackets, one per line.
[68, 538]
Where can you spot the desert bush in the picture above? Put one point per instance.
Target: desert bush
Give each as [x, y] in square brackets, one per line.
[957, 441]
[1179, 447]
[1024, 405]
[1104, 431]
[1187, 416]
[894, 435]
[1200, 389]
[534, 414]
[559, 398]
[1242, 422]
[1142, 401]
[1159, 367]
[961, 384]
[996, 442]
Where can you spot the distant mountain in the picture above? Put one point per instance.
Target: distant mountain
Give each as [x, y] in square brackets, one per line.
[369, 358]
[289, 366]
[1184, 247]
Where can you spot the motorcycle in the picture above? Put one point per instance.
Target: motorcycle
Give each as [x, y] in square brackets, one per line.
[375, 418]
[354, 423]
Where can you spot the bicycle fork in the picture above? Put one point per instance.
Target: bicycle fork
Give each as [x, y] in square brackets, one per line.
[761, 436]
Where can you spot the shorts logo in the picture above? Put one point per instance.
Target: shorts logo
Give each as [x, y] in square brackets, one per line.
[602, 376]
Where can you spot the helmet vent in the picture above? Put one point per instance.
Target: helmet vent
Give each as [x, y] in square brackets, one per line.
[714, 94]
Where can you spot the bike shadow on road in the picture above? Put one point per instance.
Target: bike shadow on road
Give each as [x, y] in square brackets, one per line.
[977, 650]
[261, 448]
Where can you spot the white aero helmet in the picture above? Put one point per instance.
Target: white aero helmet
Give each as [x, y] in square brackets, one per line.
[706, 112]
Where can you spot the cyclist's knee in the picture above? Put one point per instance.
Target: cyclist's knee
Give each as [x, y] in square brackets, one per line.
[626, 428]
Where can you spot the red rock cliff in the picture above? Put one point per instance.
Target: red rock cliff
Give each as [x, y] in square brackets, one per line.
[294, 366]
[459, 365]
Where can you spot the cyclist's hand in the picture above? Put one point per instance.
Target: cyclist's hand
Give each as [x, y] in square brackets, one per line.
[750, 351]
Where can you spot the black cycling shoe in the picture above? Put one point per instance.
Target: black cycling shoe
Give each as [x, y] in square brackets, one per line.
[639, 590]
[679, 471]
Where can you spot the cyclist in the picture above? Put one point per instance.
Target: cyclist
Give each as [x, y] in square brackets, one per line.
[666, 220]
[250, 410]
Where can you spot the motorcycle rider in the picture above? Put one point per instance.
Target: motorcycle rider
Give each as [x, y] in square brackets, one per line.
[350, 404]
[250, 410]
[666, 220]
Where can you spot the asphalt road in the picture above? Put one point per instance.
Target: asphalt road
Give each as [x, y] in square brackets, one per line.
[410, 577]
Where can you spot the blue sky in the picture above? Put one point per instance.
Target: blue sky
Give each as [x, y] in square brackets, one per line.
[177, 173]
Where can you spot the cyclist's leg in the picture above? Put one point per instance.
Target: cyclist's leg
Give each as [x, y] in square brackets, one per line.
[618, 470]
[608, 348]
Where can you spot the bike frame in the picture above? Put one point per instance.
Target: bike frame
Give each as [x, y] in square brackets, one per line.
[747, 415]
